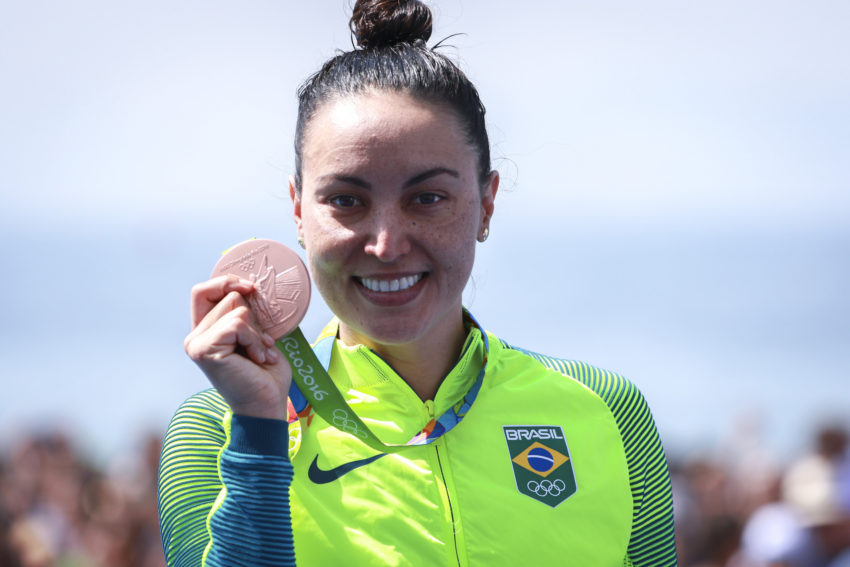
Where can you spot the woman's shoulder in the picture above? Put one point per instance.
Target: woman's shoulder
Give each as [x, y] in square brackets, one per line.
[615, 390]
[204, 411]
[207, 401]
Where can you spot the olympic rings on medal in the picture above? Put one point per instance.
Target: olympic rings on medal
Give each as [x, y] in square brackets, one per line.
[546, 487]
[343, 422]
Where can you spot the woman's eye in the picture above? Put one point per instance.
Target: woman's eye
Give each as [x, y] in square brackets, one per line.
[427, 198]
[344, 201]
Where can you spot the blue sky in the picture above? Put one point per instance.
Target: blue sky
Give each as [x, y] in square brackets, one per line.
[674, 206]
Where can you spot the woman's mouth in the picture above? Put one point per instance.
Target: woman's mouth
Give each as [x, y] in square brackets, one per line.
[390, 285]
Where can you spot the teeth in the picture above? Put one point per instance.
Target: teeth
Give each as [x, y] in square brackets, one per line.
[399, 284]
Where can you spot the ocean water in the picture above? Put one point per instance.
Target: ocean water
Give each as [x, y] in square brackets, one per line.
[715, 326]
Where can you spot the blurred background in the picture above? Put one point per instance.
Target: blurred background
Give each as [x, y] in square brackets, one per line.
[674, 206]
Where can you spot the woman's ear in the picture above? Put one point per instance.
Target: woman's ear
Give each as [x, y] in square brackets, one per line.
[295, 195]
[488, 198]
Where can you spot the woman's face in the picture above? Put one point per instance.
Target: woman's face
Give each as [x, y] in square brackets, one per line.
[389, 210]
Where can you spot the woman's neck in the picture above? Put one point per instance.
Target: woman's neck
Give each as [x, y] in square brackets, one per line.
[422, 363]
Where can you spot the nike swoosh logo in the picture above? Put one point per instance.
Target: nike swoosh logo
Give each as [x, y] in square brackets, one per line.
[318, 476]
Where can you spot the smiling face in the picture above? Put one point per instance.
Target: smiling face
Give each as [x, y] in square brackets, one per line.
[389, 209]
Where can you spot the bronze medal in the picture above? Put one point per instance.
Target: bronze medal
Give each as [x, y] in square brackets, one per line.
[282, 281]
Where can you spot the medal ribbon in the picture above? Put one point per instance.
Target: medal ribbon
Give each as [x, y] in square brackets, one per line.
[312, 386]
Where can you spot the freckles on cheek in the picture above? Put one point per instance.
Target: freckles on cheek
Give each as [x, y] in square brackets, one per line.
[325, 264]
[326, 239]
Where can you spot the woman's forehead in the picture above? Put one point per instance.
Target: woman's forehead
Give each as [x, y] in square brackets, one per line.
[384, 111]
[373, 124]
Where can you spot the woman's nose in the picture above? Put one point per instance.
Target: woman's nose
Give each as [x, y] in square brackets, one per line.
[389, 238]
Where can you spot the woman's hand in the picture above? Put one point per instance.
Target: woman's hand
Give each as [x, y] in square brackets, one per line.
[239, 359]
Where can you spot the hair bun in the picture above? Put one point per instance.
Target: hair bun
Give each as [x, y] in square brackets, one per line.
[380, 23]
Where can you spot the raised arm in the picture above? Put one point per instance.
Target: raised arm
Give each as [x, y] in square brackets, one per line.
[224, 478]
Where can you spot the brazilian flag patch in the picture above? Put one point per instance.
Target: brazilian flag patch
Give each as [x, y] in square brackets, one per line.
[541, 462]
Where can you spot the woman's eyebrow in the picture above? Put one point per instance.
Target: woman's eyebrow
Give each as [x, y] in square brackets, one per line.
[349, 179]
[418, 178]
[429, 174]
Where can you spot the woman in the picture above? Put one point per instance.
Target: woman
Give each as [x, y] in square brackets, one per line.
[514, 457]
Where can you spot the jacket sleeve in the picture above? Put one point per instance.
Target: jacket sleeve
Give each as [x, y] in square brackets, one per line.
[652, 542]
[223, 489]
[653, 539]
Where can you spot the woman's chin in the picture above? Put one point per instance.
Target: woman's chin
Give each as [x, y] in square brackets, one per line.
[391, 331]
[398, 318]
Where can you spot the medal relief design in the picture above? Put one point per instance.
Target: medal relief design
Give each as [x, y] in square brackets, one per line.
[275, 301]
[282, 284]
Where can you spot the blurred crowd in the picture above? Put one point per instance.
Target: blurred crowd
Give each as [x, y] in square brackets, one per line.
[59, 510]
[739, 508]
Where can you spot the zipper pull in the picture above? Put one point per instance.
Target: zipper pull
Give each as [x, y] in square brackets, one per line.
[430, 409]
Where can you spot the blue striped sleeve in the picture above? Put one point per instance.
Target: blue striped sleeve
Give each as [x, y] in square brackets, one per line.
[224, 488]
[189, 481]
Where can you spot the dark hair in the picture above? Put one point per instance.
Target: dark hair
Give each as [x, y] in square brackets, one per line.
[392, 55]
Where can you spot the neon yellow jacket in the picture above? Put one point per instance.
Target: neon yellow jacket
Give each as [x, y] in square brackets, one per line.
[556, 463]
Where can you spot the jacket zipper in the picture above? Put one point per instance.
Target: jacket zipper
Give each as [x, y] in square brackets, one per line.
[429, 407]
[448, 499]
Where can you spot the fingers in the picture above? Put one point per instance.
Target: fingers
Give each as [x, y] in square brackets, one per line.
[230, 302]
[241, 360]
[206, 295]
[230, 328]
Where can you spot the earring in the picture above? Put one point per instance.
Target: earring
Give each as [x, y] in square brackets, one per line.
[301, 243]
[484, 234]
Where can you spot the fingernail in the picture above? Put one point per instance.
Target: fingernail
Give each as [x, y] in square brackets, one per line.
[273, 355]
